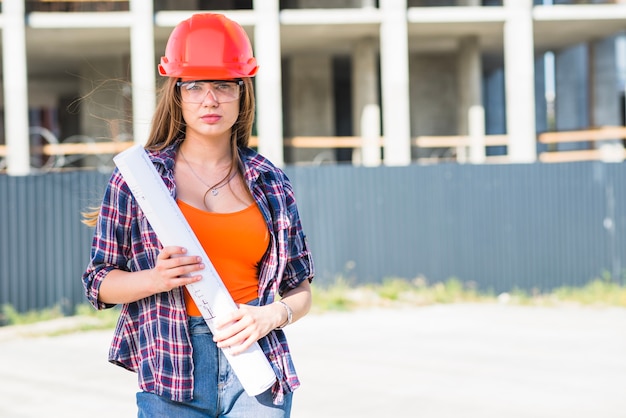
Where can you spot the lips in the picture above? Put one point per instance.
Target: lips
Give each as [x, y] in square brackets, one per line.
[211, 118]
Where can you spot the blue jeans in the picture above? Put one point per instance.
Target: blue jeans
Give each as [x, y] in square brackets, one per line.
[217, 391]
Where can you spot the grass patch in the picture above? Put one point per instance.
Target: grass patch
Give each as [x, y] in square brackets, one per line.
[418, 292]
[345, 296]
[393, 292]
[10, 316]
[107, 317]
[337, 297]
[52, 321]
[598, 292]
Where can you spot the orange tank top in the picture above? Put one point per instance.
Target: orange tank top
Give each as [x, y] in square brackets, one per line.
[235, 243]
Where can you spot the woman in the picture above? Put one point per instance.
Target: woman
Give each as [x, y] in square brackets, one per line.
[243, 211]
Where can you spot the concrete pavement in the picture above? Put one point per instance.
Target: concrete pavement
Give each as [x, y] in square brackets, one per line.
[482, 360]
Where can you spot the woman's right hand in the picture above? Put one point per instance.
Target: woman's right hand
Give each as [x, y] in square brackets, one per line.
[173, 269]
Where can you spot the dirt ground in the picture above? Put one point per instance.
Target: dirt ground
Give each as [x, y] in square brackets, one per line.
[463, 360]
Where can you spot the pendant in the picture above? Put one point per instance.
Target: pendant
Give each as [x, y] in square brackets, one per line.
[214, 192]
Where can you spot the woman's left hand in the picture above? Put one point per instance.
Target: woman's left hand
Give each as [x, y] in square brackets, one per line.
[239, 329]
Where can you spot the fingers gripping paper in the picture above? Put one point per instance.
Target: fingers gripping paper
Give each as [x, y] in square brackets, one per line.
[251, 367]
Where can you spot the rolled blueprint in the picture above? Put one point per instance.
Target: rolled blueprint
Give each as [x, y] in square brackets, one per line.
[251, 367]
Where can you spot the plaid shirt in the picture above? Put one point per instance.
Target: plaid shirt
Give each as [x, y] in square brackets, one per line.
[151, 337]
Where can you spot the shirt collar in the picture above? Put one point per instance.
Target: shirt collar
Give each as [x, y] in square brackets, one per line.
[166, 157]
[254, 164]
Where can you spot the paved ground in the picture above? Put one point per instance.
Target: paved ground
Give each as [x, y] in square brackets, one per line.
[439, 361]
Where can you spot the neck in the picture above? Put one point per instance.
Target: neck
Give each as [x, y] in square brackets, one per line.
[211, 154]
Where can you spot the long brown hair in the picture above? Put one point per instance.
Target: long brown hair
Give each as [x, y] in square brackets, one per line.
[168, 126]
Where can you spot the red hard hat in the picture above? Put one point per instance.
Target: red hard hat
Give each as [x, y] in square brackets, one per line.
[208, 46]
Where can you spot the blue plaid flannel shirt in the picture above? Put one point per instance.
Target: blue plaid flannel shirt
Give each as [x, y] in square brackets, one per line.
[151, 336]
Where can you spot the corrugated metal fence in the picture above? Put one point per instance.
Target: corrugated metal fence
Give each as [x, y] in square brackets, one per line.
[499, 226]
[43, 245]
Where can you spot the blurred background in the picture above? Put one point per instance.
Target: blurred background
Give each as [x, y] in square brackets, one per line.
[481, 141]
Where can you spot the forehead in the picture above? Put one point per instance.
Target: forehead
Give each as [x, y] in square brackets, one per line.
[198, 80]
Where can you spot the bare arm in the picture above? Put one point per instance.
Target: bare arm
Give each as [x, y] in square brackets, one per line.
[299, 300]
[124, 287]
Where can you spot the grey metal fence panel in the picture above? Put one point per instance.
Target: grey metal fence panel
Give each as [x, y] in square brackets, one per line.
[43, 246]
[499, 226]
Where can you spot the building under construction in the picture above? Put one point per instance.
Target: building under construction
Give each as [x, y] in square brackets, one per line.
[368, 82]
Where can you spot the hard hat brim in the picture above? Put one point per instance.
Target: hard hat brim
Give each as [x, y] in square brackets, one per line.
[207, 73]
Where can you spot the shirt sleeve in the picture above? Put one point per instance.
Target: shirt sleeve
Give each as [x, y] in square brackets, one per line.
[111, 242]
[299, 266]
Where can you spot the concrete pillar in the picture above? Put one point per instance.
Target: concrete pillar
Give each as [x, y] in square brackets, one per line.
[394, 59]
[15, 83]
[477, 151]
[143, 68]
[370, 135]
[366, 108]
[269, 119]
[520, 81]
[471, 112]
[311, 102]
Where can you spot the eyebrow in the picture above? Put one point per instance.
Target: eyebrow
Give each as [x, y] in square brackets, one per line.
[210, 81]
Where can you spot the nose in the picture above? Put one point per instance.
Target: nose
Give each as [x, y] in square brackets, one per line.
[210, 96]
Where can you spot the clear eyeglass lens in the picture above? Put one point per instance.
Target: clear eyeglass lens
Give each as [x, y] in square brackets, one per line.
[222, 91]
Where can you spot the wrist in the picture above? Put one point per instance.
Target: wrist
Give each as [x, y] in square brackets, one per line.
[288, 316]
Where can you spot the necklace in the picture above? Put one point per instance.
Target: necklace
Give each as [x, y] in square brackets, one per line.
[213, 189]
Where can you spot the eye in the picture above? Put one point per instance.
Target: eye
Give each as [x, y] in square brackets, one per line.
[192, 85]
[224, 86]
